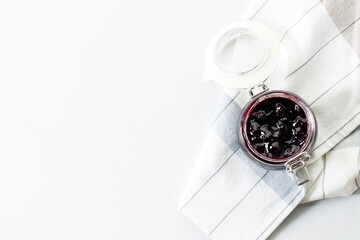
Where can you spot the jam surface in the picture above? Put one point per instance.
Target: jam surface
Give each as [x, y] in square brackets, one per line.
[277, 127]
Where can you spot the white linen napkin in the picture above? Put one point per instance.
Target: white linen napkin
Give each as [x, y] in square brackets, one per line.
[230, 197]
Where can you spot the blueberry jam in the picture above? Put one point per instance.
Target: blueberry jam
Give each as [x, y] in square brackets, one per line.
[277, 127]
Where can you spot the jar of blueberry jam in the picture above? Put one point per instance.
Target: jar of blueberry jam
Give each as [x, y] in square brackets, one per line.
[278, 129]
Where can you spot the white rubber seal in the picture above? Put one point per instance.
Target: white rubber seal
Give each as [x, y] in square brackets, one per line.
[259, 73]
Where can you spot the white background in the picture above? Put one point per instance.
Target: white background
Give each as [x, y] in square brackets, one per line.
[103, 112]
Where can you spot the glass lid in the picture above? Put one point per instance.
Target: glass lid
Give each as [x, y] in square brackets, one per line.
[242, 55]
[241, 51]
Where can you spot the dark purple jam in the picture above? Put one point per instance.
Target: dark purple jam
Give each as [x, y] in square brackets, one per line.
[277, 127]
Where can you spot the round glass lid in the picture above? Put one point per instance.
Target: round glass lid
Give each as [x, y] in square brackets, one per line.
[242, 55]
[241, 51]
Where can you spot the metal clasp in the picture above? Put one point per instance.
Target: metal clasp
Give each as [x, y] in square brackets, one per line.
[298, 166]
[263, 89]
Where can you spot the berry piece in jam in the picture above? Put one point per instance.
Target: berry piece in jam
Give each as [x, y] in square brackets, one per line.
[291, 150]
[277, 127]
[254, 127]
[297, 108]
[276, 148]
[299, 122]
[260, 147]
[265, 132]
[277, 134]
[260, 115]
[280, 110]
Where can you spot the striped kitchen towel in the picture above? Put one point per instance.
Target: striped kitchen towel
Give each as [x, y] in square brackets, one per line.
[230, 197]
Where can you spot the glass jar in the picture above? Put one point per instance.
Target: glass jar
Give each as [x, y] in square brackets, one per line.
[282, 139]
[277, 129]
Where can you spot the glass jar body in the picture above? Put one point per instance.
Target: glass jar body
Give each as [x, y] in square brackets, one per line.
[267, 161]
